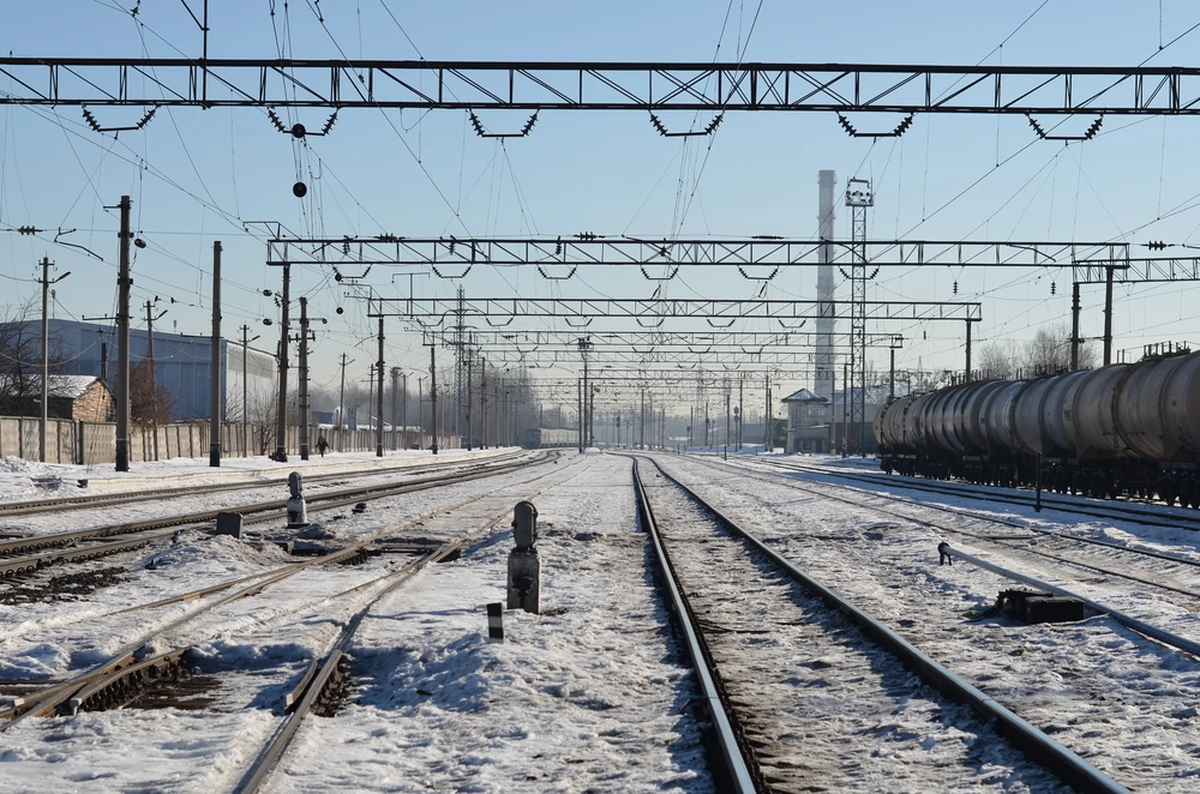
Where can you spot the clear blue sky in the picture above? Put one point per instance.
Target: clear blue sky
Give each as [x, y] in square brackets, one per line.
[196, 175]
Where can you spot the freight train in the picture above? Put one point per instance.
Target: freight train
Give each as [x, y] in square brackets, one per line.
[541, 438]
[1129, 429]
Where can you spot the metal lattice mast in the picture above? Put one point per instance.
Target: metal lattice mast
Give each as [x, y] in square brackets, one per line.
[859, 199]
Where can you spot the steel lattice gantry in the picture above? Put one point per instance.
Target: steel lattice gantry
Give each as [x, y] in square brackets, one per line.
[527, 85]
[757, 257]
[695, 341]
[649, 312]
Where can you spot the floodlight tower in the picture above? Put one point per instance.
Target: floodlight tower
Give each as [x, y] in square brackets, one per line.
[823, 362]
[859, 198]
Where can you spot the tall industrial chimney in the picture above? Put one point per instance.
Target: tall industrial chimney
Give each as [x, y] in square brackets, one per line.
[823, 359]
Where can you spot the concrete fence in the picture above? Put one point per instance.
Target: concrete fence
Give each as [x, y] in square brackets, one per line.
[95, 443]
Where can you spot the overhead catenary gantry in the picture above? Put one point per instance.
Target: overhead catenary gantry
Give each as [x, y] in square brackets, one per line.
[650, 312]
[697, 341]
[641, 86]
[758, 257]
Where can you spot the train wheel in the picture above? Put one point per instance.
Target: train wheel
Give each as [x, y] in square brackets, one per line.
[1166, 490]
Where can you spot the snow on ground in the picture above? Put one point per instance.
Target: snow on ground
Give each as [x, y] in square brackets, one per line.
[590, 695]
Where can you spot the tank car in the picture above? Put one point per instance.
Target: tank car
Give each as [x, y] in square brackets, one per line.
[1120, 429]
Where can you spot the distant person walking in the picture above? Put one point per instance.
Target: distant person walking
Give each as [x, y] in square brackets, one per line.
[322, 445]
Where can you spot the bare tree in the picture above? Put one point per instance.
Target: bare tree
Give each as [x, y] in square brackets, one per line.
[150, 403]
[1049, 352]
[21, 359]
[996, 360]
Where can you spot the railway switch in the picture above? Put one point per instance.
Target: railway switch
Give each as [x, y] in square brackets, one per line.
[297, 511]
[524, 565]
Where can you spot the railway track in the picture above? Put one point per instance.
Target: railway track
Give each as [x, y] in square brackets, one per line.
[1174, 572]
[783, 660]
[277, 479]
[882, 561]
[135, 674]
[23, 556]
[1153, 513]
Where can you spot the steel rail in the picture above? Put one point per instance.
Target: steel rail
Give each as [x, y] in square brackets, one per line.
[1039, 747]
[725, 735]
[48, 700]
[334, 499]
[84, 501]
[1134, 512]
[1165, 637]
[269, 758]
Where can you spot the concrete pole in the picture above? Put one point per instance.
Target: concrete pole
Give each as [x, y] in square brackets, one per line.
[45, 357]
[741, 415]
[304, 445]
[281, 420]
[1108, 315]
[123, 283]
[967, 373]
[470, 398]
[1075, 326]
[483, 400]
[379, 396]
[433, 395]
[153, 375]
[245, 392]
[215, 391]
[395, 407]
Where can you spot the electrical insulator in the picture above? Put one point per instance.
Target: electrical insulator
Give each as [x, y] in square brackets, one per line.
[956, 288]
[1053, 288]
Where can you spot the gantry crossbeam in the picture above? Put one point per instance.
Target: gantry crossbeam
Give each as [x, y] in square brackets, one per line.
[697, 341]
[656, 310]
[527, 85]
[1139, 270]
[755, 360]
[558, 256]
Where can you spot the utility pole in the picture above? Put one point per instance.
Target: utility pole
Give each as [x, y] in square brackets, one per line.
[342, 401]
[246, 390]
[404, 411]
[483, 398]
[642, 422]
[579, 407]
[767, 419]
[728, 419]
[433, 395]
[123, 284]
[153, 396]
[281, 420]
[740, 415]
[46, 282]
[395, 406]
[379, 396]
[215, 392]
[470, 396]
[303, 378]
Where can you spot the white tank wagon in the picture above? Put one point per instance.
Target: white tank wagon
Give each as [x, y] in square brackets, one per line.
[1120, 429]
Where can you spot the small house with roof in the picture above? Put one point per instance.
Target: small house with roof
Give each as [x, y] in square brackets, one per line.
[807, 426]
[82, 398]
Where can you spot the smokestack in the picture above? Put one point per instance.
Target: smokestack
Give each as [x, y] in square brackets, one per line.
[823, 359]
